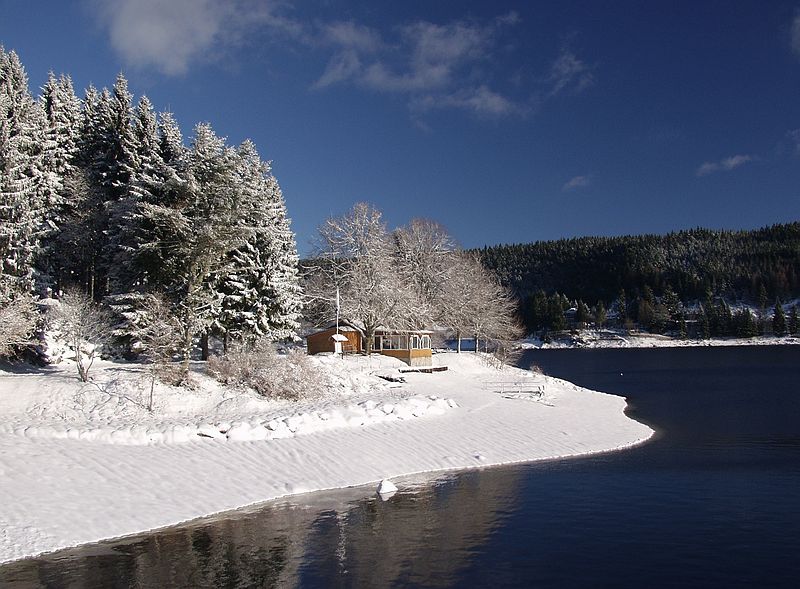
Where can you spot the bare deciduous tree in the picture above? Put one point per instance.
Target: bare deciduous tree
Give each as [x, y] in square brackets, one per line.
[425, 254]
[162, 339]
[485, 309]
[358, 262]
[85, 324]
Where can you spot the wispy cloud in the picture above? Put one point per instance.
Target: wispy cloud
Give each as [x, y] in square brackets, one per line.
[169, 36]
[724, 165]
[796, 33]
[569, 74]
[576, 183]
[794, 137]
[435, 65]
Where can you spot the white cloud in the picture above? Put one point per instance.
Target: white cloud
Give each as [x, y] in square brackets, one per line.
[479, 100]
[794, 137]
[576, 183]
[796, 33]
[436, 65]
[352, 35]
[724, 165]
[569, 74]
[170, 35]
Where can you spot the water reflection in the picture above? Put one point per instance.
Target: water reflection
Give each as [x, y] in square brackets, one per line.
[425, 535]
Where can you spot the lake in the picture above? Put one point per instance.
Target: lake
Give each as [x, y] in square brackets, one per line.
[712, 501]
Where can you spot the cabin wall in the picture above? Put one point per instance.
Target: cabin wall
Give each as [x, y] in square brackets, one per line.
[322, 342]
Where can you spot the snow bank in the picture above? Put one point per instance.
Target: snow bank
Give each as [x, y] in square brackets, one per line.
[82, 463]
[258, 428]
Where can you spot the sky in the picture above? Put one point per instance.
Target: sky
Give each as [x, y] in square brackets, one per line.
[506, 122]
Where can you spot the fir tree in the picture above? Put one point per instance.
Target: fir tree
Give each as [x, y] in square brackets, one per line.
[62, 112]
[261, 293]
[778, 320]
[21, 176]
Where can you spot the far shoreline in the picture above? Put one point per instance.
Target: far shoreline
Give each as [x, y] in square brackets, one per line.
[618, 339]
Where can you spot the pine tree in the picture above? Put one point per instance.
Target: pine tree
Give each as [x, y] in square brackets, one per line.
[120, 163]
[260, 288]
[705, 326]
[62, 112]
[622, 307]
[21, 176]
[599, 313]
[132, 225]
[778, 320]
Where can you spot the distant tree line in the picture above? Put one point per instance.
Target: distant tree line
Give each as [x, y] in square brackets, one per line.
[663, 283]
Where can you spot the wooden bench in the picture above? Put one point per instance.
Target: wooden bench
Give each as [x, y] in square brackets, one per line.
[521, 388]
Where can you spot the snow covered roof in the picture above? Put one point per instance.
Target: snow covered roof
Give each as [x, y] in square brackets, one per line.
[338, 337]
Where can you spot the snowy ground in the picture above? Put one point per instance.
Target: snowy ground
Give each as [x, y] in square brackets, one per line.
[608, 338]
[80, 463]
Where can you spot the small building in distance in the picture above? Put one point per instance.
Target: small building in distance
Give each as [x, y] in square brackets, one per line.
[411, 346]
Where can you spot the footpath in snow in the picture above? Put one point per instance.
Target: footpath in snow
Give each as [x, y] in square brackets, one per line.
[81, 463]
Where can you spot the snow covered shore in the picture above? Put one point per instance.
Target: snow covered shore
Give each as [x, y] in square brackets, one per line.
[81, 463]
[619, 339]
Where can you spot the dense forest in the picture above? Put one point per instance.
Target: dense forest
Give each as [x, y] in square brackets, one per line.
[101, 195]
[675, 270]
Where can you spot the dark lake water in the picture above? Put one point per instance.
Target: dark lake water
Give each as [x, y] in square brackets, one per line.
[712, 501]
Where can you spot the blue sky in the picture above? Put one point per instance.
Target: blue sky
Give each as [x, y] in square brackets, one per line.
[504, 121]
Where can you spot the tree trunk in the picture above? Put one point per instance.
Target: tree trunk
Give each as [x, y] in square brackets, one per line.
[204, 345]
[458, 342]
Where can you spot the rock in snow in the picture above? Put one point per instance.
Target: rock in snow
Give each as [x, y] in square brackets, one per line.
[386, 487]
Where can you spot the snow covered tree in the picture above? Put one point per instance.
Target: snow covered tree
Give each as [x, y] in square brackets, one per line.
[356, 257]
[62, 112]
[209, 224]
[18, 316]
[261, 296]
[145, 185]
[793, 321]
[487, 309]
[86, 325]
[21, 177]
[425, 258]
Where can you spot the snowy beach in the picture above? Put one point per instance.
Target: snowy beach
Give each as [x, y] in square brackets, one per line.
[81, 463]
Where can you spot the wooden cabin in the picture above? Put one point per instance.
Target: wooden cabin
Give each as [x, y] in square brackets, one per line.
[411, 346]
[324, 341]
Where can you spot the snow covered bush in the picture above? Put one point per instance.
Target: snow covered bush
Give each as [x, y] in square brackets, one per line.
[291, 376]
[18, 318]
[86, 326]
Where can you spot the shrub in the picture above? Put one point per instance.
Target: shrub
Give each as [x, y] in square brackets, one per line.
[18, 318]
[291, 376]
[85, 324]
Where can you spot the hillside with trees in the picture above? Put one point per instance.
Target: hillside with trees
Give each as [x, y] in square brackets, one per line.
[100, 196]
[653, 279]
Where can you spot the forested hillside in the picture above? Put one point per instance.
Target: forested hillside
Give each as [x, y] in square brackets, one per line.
[755, 267]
